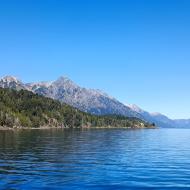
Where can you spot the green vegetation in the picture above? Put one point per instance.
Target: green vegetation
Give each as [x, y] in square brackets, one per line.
[25, 109]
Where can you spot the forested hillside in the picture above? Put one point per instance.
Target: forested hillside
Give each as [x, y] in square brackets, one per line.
[26, 109]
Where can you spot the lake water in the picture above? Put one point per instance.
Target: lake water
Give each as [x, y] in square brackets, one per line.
[95, 159]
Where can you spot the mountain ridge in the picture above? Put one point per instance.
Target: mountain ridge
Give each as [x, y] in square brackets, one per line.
[24, 109]
[161, 119]
[89, 100]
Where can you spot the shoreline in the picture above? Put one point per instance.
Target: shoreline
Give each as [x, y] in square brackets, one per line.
[66, 128]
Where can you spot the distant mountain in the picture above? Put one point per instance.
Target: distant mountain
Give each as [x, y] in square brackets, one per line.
[90, 100]
[160, 119]
[182, 123]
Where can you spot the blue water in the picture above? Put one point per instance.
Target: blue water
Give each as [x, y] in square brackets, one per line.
[95, 159]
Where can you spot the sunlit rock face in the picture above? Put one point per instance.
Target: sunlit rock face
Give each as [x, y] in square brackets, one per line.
[12, 82]
[87, 100]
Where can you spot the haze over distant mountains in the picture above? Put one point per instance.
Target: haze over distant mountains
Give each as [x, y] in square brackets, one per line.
[90, 100]
[160, 119]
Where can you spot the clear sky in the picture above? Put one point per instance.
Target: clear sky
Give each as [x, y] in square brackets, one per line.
[136, 50]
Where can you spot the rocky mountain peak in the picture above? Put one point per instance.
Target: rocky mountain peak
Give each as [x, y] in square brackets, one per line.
[65, 82]
[9, 79]
[12, 82]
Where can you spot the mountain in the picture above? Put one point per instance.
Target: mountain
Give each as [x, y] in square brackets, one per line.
[11, 82]
[65, 90]
[25, 109]
[90, 100]
[182, 123]
[160, 119]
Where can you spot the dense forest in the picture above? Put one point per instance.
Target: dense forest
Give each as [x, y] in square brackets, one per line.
[25, 109]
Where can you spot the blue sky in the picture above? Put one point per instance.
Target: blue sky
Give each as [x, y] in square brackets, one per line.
[136, 50]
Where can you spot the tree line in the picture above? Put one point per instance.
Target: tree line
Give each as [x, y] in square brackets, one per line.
[26, 109]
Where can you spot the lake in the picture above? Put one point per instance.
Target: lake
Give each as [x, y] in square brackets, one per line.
[95, 159]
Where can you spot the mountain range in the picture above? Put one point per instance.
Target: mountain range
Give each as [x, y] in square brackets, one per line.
[89, 100]
[160, 119]
[24, 109]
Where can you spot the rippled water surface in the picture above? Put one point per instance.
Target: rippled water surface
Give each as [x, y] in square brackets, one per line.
[95, 159]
